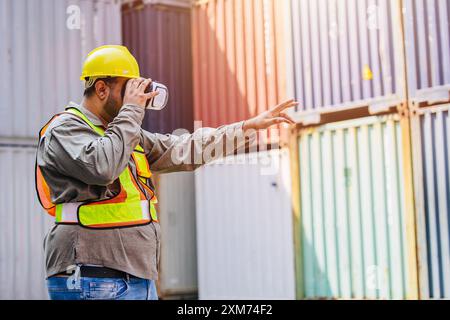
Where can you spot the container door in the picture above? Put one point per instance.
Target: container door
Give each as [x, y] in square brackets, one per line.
[355, 228]
[430, 133]
[178, 272]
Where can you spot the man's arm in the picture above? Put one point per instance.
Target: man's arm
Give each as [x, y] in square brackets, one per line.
[74, 149]
[186, 152]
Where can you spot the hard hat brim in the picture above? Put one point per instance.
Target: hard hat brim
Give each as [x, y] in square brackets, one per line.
[100, 75]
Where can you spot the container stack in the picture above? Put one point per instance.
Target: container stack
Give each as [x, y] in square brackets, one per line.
[244, 215]
[427, 41]
[373, 78]
[355, 220]
[369, 156]
[353, 202]
[43, 45]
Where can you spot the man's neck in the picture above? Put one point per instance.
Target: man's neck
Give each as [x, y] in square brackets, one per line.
[96, 110]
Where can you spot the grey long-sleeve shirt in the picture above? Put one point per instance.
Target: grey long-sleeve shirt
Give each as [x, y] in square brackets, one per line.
[80, 165]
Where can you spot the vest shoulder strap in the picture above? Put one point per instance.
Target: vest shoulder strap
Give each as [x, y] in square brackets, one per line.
[80, 114]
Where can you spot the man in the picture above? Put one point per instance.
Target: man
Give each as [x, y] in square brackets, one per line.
[93, 174]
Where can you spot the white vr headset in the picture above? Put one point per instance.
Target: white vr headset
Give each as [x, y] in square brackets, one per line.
[156, 103]
[160, 101]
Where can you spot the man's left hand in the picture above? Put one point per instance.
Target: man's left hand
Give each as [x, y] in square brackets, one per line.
[276, 115]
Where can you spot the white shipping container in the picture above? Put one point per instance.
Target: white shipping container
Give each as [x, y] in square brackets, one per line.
[346, 54]
[430, 131]
[42, 47]
[245, 229]
[23, 225]
[427, 44]
[178, 264]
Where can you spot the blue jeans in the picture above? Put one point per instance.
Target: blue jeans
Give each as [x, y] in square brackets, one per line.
[64, 288]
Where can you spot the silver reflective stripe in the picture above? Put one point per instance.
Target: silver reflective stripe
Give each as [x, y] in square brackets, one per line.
[145, 210]
[69, 212]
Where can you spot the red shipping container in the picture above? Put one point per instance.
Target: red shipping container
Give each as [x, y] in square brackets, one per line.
[238, 59]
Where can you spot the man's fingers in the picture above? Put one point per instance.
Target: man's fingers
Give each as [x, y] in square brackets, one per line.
[278, 120]
[144, 84]
[131, 83]
[137, 82]
[284, 106]
[151, 94]
[287, 117]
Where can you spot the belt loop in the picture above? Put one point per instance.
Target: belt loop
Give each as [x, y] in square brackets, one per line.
[128, 277]
[74, 282]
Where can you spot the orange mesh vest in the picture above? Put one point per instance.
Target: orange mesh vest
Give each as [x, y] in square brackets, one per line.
[129, 208]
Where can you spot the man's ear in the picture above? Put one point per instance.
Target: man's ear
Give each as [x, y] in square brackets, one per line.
[101, 89]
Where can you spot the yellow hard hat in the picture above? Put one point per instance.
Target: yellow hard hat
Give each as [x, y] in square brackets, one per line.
[112, 61]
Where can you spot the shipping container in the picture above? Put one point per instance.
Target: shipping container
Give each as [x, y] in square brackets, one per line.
[238, 59]
[23, 224]
[356, 227]
[244, 228]
[43, 45]
[427, 43]
[159, 35]
[431, 149]
[176, 210]
[346, 55]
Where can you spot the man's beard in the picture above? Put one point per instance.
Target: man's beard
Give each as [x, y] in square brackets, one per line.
[112, 107]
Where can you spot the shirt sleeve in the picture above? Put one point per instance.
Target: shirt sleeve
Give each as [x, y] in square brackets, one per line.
[186, 151]
[75, 150]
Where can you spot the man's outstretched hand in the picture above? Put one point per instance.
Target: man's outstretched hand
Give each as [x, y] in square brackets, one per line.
[271, 117]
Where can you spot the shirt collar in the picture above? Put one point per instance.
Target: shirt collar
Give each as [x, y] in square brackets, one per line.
[92, 117]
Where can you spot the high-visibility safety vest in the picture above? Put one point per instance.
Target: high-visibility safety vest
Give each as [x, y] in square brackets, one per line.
[128, 208]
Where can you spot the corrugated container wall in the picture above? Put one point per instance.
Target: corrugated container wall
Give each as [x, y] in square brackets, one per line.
[23, 225]
[159, 36]
[427, 42]
[430, 131]
[42, 47]
[244, 228]
[176, 210]
[357, 235]
[238, 59]
[346, 54]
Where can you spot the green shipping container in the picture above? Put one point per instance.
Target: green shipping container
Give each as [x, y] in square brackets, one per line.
[355, 230]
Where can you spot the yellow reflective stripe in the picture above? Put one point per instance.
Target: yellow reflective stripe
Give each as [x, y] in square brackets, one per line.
[127, 183]
[77, 112]
[142, 166]
[111, 213]
[153, 211]
[115, 213]
[104, 213]
[58, 214]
